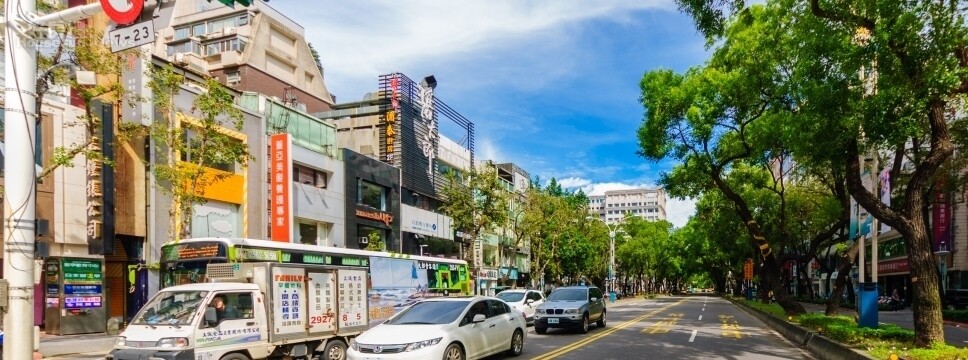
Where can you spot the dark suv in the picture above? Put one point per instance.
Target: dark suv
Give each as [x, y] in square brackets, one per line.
[571, 307]
[955, 299]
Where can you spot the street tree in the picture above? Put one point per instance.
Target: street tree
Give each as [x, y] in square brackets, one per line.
[477, 201]
[189, 149]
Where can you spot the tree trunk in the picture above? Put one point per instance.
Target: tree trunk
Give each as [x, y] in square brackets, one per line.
[924, 283]
[846, 262]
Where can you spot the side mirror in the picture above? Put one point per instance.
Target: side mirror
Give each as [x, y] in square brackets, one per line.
[210, 317]
[528, 302]
[479, 318]
[594, 299]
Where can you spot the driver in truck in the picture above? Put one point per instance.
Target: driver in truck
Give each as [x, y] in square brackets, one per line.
[224, 310]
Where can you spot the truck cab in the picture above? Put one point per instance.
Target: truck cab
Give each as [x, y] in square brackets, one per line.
[251, 311]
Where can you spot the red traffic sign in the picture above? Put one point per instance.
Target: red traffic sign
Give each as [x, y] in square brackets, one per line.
[123, 12]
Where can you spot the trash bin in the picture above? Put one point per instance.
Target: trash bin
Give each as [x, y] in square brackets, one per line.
[612, 296]
[114, 326]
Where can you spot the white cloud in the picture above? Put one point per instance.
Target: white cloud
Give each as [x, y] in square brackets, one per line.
[487, 150]
[359, 40]
[678, 211]
[574, 182]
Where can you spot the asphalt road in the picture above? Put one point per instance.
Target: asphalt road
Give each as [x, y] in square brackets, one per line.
[691, 327]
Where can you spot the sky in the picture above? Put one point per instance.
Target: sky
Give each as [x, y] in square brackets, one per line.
[551, 85]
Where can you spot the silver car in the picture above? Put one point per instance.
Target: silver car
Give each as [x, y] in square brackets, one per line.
[571, 307]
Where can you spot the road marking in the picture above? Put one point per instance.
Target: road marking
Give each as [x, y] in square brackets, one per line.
[700, 317]
[663, 327]
[693, 337]
[609, 331]
[730, 326]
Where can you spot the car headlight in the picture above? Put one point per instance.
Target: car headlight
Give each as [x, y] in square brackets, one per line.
[354, 345]
[172, 342]
[120, 341]
[571, 311]
[422, 344]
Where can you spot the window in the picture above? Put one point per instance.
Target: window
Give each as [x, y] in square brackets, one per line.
[309, 176]
[181, 33]
[184, 47]
[534, 295]
[308, 233]
[235, 306]
[198, 29]
[216, 159]
[233, 77]
[498, 308]
[220, 46]
[371, 195]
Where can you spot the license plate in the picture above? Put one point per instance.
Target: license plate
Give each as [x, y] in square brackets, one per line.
[552, 321]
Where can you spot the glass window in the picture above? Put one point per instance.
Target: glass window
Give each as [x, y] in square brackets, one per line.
[510, 296]
[242, 20]
[232, 306]
[171, 308]
[308, 233]
[534, 295]
[498, 308]
[309, 176]
[429, 312]
[198, 29]
[181, 33]
[371, 195]
[568, 295]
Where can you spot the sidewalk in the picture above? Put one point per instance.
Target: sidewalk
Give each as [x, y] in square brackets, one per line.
[81, 347]
[955, 333]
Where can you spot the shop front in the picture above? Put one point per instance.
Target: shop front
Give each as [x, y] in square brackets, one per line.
[372, 202]
[894, 275]
[487, 281]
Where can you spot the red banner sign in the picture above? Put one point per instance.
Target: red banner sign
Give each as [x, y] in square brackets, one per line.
[280, 187]
[893, 266]
[748, 270]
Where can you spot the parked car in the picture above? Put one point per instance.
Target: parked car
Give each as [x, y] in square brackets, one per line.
[955, 299]
[525, 301]
[445, 328]
[571, 307]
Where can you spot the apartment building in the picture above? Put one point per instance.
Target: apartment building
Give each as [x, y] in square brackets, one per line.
[614, 205]
[209, 37]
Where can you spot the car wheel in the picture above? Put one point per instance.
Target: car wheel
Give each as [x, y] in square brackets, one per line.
[517, 343]
[951, 307]
[235, 356]
[584, 324]
[453, 352]
[540, 330]
[335, 350]
[601, 320]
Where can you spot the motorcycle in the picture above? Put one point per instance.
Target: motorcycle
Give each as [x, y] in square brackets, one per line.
[890, 303]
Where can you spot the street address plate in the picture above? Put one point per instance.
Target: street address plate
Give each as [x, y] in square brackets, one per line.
[132, 36]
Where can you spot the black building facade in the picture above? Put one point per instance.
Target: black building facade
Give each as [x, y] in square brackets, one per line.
[372, 202]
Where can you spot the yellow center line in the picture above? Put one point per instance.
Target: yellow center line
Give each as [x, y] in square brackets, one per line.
[609, 331]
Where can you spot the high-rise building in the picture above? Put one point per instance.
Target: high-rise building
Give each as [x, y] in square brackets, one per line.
[649, 204]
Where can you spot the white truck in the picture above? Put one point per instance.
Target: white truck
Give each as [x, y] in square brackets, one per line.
[271, 311]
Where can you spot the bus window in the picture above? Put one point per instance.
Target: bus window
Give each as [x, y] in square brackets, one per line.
[183, 272]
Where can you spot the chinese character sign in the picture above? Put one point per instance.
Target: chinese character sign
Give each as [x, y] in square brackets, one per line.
[289, 300]
[352, 298]
[280, 187]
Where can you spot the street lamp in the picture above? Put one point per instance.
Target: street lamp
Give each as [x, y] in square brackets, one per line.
[942, 253]
[422, 246]
[610, 276]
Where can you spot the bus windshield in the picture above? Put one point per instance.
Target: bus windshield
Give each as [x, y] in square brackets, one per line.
[184, 272]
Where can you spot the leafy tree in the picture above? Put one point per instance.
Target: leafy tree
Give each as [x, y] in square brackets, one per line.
[887, 78]
[186, 159]
[477, 201]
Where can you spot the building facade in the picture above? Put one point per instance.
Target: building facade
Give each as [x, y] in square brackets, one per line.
[649, 204]
[209, 37]
[372, 190]
[401, 126]
[317, 214]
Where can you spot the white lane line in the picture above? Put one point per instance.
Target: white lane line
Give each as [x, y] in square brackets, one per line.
[700, 319]
[693, 337]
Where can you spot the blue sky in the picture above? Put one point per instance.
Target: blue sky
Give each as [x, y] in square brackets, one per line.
[551, 85]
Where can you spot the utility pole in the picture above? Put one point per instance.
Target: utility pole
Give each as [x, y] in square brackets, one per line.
[22, 28]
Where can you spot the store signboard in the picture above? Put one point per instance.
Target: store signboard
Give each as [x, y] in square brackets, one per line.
[82, 272]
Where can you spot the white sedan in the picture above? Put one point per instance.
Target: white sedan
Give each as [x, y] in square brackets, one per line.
[444, 328]
[523, 300]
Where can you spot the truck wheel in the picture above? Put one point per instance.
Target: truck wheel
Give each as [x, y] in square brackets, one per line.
[453, 352]
[235, 356]
[335, 350]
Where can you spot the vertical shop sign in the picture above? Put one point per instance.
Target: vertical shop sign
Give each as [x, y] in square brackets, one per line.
[427, 114]
[82, 283]
[94, 196]
[280, 187]
[941, 218]
[390, 118]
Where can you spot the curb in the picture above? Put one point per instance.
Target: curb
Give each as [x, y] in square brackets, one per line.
[817, 344]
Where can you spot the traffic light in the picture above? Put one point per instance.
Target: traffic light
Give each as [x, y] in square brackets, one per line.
[231, 3]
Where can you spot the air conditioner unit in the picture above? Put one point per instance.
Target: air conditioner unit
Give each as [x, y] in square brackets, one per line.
[179, 58]
[364, 240]
[229, 30]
